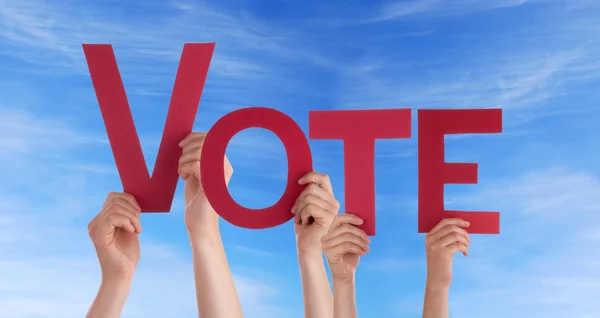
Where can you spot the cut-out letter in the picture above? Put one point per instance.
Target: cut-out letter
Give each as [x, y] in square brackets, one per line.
[359, 129]
[153, 194]
[213, 152]
[435, 172]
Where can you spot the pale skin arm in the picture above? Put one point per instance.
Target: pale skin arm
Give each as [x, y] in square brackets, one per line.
[435, 304]
[344, 245]
[314, 212]
[442, 242]
[318, 301]
[110, 299]
[114, 234]
[344, 299]
[215, 289]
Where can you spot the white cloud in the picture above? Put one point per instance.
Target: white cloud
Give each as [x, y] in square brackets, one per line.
[543, 263]
[48, 267]
[23, 133]
[51, 34]
[407, 9]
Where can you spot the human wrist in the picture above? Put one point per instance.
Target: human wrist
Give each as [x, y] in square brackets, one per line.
[116, 282]
[116, 279]
[202, 229]
[437, 286]
[343, 282]
[311, 262]
[115, 288]
[343, 288]
[309, 246]
[205, 240]
[310, 254]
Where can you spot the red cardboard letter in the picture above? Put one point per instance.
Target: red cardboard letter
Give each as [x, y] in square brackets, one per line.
[211, 166]
[359, 129]
[434, 172]
[153, 194]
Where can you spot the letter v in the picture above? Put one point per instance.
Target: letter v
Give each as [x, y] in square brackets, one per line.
[153, 194]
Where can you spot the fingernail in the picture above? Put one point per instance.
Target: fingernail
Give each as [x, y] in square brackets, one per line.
[294, 209]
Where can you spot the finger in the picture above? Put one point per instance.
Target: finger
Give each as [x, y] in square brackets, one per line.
[114, 221]
[346, 237]
[119, 207]
[315, 190]
[193, 144]
[447, 230]
[449, 221]
[190, 137]
[297, 219]
[190, 169]
[346, 229]
[133, 215]
[94, 222]
[346, 218]
[130, 198]
[450, 239]
[228, 167]
[345, 248]
[459, 247]
[311, 199]
[318, 178]
[314, 211]
[190, 156]
[126, 204]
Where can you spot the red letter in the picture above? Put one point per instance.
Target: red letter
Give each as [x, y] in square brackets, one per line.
[212, 174]
[359, 129]
[153, 194]
[434, 172]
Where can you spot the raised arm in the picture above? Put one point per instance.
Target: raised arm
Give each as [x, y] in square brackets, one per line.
[344, 244]
[215, 289]
[314, 211]
[442, 242]
[114, 234]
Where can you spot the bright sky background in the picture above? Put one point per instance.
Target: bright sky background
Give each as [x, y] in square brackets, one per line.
[539, 60]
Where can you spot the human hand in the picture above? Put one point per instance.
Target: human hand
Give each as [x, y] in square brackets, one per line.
[442, 242]
[200, 217]
[114, 232]
[343, 246]
[314, 212]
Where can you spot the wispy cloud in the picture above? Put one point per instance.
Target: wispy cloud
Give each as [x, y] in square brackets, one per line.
[529, 73]
[52, 35]
[411, 8]
[553, 271]
[25, 134]
[48, 267]
[253, 251]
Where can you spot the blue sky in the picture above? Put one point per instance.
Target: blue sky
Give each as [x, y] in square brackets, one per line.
[537, 59]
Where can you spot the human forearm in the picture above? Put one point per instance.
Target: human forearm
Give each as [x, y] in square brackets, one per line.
[344, 299]
[110, 299]
[318, 301]
[215, 290]
[435, 304]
